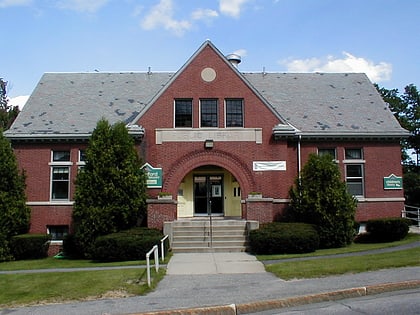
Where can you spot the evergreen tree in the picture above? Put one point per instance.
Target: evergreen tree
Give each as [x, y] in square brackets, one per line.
[14, 213]
[321, 198]
[111, 188]
[7, 113]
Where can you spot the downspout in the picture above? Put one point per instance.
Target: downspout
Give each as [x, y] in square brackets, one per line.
[299, 156]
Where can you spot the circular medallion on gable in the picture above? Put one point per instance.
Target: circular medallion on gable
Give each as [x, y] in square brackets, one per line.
[208, 74]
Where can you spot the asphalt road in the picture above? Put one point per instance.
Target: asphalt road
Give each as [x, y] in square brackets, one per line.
[405, 302]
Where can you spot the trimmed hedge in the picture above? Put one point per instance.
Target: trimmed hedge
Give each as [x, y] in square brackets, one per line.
[384, 230]
[284, 238]
[126, 245]
[29, 246]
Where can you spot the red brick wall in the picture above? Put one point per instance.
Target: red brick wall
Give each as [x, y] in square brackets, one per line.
[43, 216]
[159, 212]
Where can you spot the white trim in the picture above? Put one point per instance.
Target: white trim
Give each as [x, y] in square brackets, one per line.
[60, 163]
[391, 199]
[354, 161]
[50, 203]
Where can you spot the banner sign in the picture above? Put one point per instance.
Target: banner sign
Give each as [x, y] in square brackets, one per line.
[269, 166]
[393, 182]
[154, 176]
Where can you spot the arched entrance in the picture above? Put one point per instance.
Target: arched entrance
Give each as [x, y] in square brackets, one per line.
[209, 189]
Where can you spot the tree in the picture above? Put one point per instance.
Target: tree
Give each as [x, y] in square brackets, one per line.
[7, 113]
[406, 108]
[321, 198]
[14, 213]
[110, 191]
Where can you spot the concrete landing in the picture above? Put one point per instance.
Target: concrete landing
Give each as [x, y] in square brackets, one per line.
[213, 263]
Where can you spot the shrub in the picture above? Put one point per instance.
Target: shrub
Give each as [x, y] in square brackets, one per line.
[4, 249]
[284, 238]
[29, 246]
[384, 230]
[320, 197]
[131, 244]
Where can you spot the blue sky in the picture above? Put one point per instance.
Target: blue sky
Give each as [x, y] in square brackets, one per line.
[379, 37]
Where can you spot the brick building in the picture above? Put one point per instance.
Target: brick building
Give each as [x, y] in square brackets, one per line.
[214, 138]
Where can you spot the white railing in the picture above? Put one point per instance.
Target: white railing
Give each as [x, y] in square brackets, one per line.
[154, 250]
[412, 213]
[162, 248]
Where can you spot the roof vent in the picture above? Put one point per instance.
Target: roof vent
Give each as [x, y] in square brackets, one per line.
[234, 59]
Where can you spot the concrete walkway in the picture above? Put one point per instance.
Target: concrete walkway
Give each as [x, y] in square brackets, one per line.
[213, 263]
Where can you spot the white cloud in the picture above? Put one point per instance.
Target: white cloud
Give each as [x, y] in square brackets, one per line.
[90, 6]
[349, 63]
[14, 3]
[204, 14]
[231, 7]
[162, 15]
[18, 101]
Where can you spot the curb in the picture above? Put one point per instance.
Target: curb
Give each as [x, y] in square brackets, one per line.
[253, 307]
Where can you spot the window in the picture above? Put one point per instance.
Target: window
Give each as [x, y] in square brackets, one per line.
[327, 151]
[61, 156]
[57, 232]
[82, 159]
[183, 113]
[234, 113]
[208, 110]
[60, 175]
[354, 171]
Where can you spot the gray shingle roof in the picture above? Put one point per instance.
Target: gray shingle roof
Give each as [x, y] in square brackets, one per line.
[70, 104]
[327, 103]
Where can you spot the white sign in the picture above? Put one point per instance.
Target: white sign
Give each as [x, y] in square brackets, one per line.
[269, 166]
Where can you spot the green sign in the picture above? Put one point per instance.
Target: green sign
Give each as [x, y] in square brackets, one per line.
[393, 182]
[154, 176]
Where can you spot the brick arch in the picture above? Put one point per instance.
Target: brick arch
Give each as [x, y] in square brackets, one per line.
[184, 165]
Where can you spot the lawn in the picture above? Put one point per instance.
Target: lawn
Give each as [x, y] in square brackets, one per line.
[40, 288]
[334, 266]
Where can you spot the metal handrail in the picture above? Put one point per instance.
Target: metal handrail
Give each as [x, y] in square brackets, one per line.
[162, 248]
[415, 212]
[154, 250]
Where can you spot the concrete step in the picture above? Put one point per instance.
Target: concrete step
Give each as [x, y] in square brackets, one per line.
[194, 236]
[225, 249]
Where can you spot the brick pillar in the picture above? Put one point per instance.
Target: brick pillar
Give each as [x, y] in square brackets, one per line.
[160, 211]
[260, 209]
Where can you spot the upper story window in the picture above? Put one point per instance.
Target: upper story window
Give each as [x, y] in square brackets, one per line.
[183, 113]
[208, 113]
[354, 167]
[234, 113]
[353, 154]
[327, 151]
[60, 175]
[61, 156]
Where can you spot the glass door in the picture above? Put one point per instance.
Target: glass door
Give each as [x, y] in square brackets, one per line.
[208, 194]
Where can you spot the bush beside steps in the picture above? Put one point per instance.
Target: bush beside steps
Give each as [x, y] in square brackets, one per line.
[284, 238]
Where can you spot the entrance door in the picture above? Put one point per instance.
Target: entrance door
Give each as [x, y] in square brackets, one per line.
[208, 194]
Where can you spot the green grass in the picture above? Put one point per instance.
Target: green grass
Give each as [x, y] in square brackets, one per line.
[40, 288]
[51, 262]
[353, 248]
[334, 266]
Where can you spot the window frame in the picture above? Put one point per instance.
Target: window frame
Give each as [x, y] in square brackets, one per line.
[57, 164]
[227, 114]
[212, 114]
[354, 161]
[324, 150]
[190, 100]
